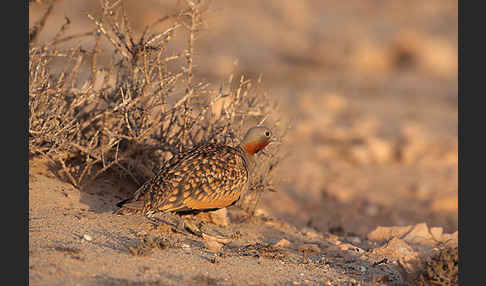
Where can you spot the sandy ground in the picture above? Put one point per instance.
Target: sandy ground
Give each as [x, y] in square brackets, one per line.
[76, 240]
[370, 183]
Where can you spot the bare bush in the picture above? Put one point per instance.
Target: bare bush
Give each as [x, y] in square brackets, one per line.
[141, 109]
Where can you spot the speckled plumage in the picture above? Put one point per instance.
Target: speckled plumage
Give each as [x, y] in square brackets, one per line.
[209, 176]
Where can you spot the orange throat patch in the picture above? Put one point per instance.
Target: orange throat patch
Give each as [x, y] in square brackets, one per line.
[253, 147]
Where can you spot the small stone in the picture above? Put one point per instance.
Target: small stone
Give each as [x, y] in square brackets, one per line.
[380, 149]
[309, 248]
[87, 237]
[306, 249]
[395, 249]
[347, 246]
[213, 245]
[436, 232]
[311, 234]
[383, 233]
[282, 243]
[261, 212]
[361, 154]
[420, 235]
[333, 237]
[355, 240]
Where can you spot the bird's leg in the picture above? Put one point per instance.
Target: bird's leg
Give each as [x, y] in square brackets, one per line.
[166, 219]
[199, 228]
[185, 226]
[181, 225]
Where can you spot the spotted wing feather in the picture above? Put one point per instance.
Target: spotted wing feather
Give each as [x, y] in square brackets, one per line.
[208, 176]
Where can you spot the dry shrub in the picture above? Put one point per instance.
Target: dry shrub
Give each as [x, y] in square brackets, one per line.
[143, 108]
[441, 269]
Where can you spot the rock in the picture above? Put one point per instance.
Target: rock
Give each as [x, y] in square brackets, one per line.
[333, 238]
[87, 237]
[431, 54]
[381, 150]
[282, 243]
[213, 245]
[261, 212]
[371, 59]
[396, 249]
[355, 240]
[347, 246]
[382, 233]
[218, 239]
[436, 232]
[420, 235]
[361, 154]
[439, 57]
[309, 248]
[310, 233]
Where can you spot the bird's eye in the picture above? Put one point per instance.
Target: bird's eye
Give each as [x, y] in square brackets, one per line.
[267, 133]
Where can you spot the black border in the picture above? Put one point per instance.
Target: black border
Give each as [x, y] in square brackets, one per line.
[14, 118]
[471, 144]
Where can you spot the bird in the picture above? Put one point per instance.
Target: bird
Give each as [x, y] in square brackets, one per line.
[208, 177]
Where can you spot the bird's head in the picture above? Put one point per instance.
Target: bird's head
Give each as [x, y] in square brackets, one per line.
[257, 138]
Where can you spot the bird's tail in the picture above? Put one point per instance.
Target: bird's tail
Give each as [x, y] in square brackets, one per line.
[120, 204]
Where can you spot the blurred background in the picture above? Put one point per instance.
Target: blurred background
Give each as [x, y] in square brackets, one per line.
[370, 89]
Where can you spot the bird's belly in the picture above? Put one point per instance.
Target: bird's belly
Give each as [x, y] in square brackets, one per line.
[207, 203]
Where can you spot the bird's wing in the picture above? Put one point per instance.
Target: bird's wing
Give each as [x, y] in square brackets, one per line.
[209, 176]
[223, 176]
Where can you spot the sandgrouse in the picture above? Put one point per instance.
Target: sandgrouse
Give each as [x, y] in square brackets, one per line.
[208, 177]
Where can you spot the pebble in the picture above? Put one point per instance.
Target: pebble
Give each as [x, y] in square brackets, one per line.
[309, 248]
[282, 243]
[355, 240]
[87, 237]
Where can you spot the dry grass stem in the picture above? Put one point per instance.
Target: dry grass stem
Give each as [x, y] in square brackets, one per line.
[141, 109]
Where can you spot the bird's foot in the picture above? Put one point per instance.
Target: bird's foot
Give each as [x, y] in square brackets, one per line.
[186, 225]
